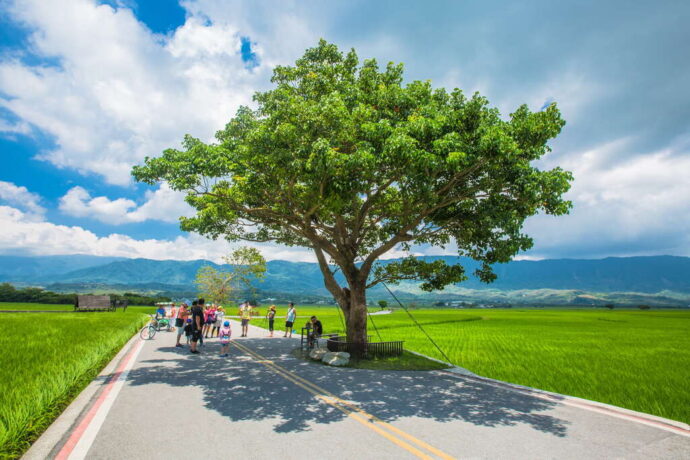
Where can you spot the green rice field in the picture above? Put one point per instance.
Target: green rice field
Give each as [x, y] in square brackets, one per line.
[635, 359]
[630, 358]
[47, 359]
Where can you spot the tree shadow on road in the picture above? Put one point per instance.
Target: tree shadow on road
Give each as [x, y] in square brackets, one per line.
[242, 389]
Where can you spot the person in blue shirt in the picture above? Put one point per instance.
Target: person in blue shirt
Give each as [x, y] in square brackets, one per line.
[160, 313]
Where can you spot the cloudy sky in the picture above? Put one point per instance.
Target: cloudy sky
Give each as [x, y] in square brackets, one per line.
[89, 88]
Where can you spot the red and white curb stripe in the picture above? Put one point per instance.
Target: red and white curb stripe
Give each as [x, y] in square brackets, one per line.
[83, 435]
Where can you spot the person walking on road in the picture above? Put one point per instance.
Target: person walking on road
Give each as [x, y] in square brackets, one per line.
[271, 315]
[180, 320]
[290, 319]
[246, 316]
[197, 323]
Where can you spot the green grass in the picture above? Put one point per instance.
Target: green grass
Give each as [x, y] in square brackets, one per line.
[630, 358]
[34, 306]
[47, 359]
[407, 362]
[58, 307]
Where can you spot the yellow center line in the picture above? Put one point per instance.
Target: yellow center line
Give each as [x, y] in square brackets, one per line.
[370, 421]
[289, 376]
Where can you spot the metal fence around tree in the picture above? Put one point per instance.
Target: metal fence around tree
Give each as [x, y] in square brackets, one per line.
[366, 350]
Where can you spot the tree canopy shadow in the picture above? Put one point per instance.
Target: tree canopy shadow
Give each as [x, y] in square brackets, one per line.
[241, 389]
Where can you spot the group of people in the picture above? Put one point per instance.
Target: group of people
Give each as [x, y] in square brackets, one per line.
[200, 320]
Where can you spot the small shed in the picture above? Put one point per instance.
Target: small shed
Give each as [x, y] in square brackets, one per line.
[93, 303]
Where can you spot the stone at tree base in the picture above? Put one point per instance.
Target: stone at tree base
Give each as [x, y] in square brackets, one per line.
[317, 353]
[339, 358]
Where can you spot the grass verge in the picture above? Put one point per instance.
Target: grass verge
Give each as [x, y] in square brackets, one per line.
[406, 362]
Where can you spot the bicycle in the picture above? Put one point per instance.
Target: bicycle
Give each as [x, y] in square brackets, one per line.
[149, 331]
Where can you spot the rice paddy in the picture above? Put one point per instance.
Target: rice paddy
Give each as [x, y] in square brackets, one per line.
[630, 358]
[47, 359]
[635, 359]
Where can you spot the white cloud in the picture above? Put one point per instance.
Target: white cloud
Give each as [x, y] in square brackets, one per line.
[122, 92]
[20, 196]
[15, 128]
[163, 204]
[623, 204]
[21, 233]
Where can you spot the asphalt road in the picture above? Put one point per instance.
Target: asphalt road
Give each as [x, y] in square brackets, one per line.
[262, 402]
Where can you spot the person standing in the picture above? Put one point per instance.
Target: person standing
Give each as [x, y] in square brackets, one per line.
[172, 317]
[246, 316]
[210, 320]
[204, 311]
[224, 335]
[180, 320]
[271, 319]
[290, 319]
[220, 313]
[197, 323]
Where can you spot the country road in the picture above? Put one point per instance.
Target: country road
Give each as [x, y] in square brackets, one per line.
[262, 402]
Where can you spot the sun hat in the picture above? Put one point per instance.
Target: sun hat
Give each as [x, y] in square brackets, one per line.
[226, 324]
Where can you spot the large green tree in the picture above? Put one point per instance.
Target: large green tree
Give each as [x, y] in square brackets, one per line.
[345, 159]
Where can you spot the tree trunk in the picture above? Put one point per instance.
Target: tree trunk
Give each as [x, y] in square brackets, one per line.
[352, 301]
[356, 315]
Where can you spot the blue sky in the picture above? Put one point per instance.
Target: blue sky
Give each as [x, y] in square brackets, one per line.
[88, 89]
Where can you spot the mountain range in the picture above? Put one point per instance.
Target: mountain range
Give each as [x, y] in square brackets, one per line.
[648, 275]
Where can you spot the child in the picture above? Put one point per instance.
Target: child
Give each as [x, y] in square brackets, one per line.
[188, 329]
[224, 336]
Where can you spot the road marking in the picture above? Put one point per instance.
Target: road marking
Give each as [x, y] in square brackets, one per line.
[370, 421]
[81, 439]
[354, 408]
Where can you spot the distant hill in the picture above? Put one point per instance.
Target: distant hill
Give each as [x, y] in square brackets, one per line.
[27, 268]
[614, 274]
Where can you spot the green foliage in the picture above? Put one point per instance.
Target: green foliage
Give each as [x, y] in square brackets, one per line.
[60, 354]
[343, 157]
[9, 293]
[217, 285]
[383, 304]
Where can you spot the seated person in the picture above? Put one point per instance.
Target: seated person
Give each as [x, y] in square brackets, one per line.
[160, 318]
[316, 331]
